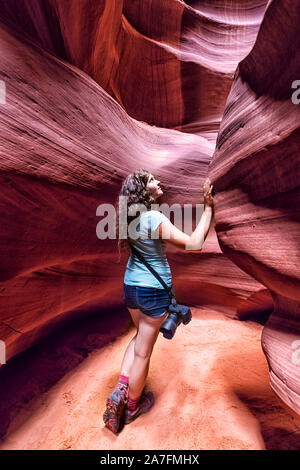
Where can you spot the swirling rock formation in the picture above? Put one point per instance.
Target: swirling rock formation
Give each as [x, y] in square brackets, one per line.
[171, 73]
[88, 84]
[256, 173]
[65, 146]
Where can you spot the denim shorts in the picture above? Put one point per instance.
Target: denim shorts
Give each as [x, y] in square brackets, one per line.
[149, 300]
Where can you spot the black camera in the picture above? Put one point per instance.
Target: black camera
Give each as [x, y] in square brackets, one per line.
[177, 314]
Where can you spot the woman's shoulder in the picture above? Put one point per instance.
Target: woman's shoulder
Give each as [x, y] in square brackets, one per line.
[151, 211]
[154, 217]
[153, 214]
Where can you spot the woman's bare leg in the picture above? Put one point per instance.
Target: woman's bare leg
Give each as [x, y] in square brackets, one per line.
[148, 329]
[129, 353]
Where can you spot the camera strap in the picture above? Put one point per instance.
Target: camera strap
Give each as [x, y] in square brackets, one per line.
[169, 290]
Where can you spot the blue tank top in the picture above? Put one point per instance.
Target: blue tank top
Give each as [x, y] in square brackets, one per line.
[152, 249]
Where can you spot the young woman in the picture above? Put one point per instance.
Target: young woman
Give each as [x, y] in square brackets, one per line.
[145, 298]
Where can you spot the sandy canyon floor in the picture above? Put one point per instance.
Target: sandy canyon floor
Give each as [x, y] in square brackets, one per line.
[210, 384]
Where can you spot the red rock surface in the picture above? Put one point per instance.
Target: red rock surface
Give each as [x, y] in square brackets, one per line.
[66, 146]
[95, 91]
[175, 72]
[256, 173]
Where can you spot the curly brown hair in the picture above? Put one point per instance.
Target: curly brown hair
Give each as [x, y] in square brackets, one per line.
[134, 187]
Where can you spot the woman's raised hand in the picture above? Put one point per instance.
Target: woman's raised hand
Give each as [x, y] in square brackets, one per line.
[207, 193]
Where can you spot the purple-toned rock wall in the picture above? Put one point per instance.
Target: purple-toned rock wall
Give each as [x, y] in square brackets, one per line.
[96, 90]
[256, 173]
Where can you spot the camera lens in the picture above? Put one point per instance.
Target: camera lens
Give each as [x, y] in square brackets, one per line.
[169, 326]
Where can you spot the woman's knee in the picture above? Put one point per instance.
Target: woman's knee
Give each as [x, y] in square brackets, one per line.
[143, 351]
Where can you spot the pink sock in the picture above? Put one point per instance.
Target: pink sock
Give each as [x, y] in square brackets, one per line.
[123, 379]
[132, 404]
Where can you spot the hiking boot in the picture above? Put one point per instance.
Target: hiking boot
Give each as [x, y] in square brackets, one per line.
[115, 406]
[144, 405]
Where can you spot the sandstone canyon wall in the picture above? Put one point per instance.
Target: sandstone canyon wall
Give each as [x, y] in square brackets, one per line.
[68, 140]
[256, 173]
[95, 90]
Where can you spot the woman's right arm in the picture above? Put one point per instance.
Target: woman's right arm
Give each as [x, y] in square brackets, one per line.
[194, 242]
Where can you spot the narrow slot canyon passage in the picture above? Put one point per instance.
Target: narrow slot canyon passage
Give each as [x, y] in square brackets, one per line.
[191, 93]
